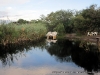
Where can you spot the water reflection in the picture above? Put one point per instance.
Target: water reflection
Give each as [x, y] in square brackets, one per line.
[45, 57]
[50, 41]
[83, 54]
[10, 52]
[62, 50]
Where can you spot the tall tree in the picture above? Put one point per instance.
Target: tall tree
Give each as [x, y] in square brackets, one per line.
[88, 19]
[58, 18]
[22, 21]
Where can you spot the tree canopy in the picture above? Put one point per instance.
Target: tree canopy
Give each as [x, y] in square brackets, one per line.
[59, 20]
[70, 21]
[22, 21]
[88, 19]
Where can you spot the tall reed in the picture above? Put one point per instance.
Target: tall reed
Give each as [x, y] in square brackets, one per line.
[13, 33]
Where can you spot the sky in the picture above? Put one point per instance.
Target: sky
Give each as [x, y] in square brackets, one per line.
[33, 9]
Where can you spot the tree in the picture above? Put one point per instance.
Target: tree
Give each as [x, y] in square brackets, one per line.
[61, 17]
[87, 19]
[43, 18]
[22, 21]
[79, 24]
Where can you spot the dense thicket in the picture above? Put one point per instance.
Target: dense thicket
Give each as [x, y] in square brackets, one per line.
[88, 20]
[13, 33]
[59, 21]
[70, 21]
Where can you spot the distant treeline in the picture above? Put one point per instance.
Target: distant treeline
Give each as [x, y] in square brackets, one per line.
[70, 21]
[73, 21]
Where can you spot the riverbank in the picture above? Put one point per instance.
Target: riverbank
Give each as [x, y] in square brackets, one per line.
[83, 37]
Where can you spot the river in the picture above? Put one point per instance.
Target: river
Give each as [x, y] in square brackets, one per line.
[61, 57]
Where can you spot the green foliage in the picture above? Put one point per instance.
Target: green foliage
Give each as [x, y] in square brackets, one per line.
[60, 29]
[74, 21]
[21, 21]
[61, 17]
[87, 20]
[11, 33]
[61, 21]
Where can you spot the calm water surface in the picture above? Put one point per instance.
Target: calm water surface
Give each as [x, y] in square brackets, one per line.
[65, 57]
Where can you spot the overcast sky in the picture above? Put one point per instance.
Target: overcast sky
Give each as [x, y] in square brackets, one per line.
[32, 9]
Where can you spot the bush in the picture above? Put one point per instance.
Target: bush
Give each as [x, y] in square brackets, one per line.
[60, 29]
[11, 33]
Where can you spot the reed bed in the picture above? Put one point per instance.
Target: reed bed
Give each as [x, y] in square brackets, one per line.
[13, 33]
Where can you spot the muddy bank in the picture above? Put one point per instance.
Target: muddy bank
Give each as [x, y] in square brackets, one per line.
[21, 41]
[83, 37]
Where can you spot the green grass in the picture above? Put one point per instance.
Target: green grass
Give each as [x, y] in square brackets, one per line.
[12, 33]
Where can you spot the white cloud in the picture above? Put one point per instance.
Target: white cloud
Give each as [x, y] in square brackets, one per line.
[26, 14]
[41, 2]
[3, 13]
[7, 2]
[9, 8]
[43, 70]
[22, 14]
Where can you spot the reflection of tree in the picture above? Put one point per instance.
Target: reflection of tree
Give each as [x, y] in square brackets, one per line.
[62, 49]
[12, 51]
[65, 50]
[89, 46]
[89, 60]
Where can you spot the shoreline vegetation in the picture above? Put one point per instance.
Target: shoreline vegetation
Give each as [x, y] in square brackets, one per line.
[64, 22]
[16, 34]
[11, 34]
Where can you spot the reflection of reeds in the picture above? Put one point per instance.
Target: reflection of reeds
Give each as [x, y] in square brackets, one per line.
[11, 52]
[16, 33]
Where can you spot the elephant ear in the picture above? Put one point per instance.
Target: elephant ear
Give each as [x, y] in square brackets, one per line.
[48, 33]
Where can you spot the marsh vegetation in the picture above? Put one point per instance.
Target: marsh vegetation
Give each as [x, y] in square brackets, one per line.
[13, 33]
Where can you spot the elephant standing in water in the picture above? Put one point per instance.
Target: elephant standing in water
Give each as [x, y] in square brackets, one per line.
[51, 35]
